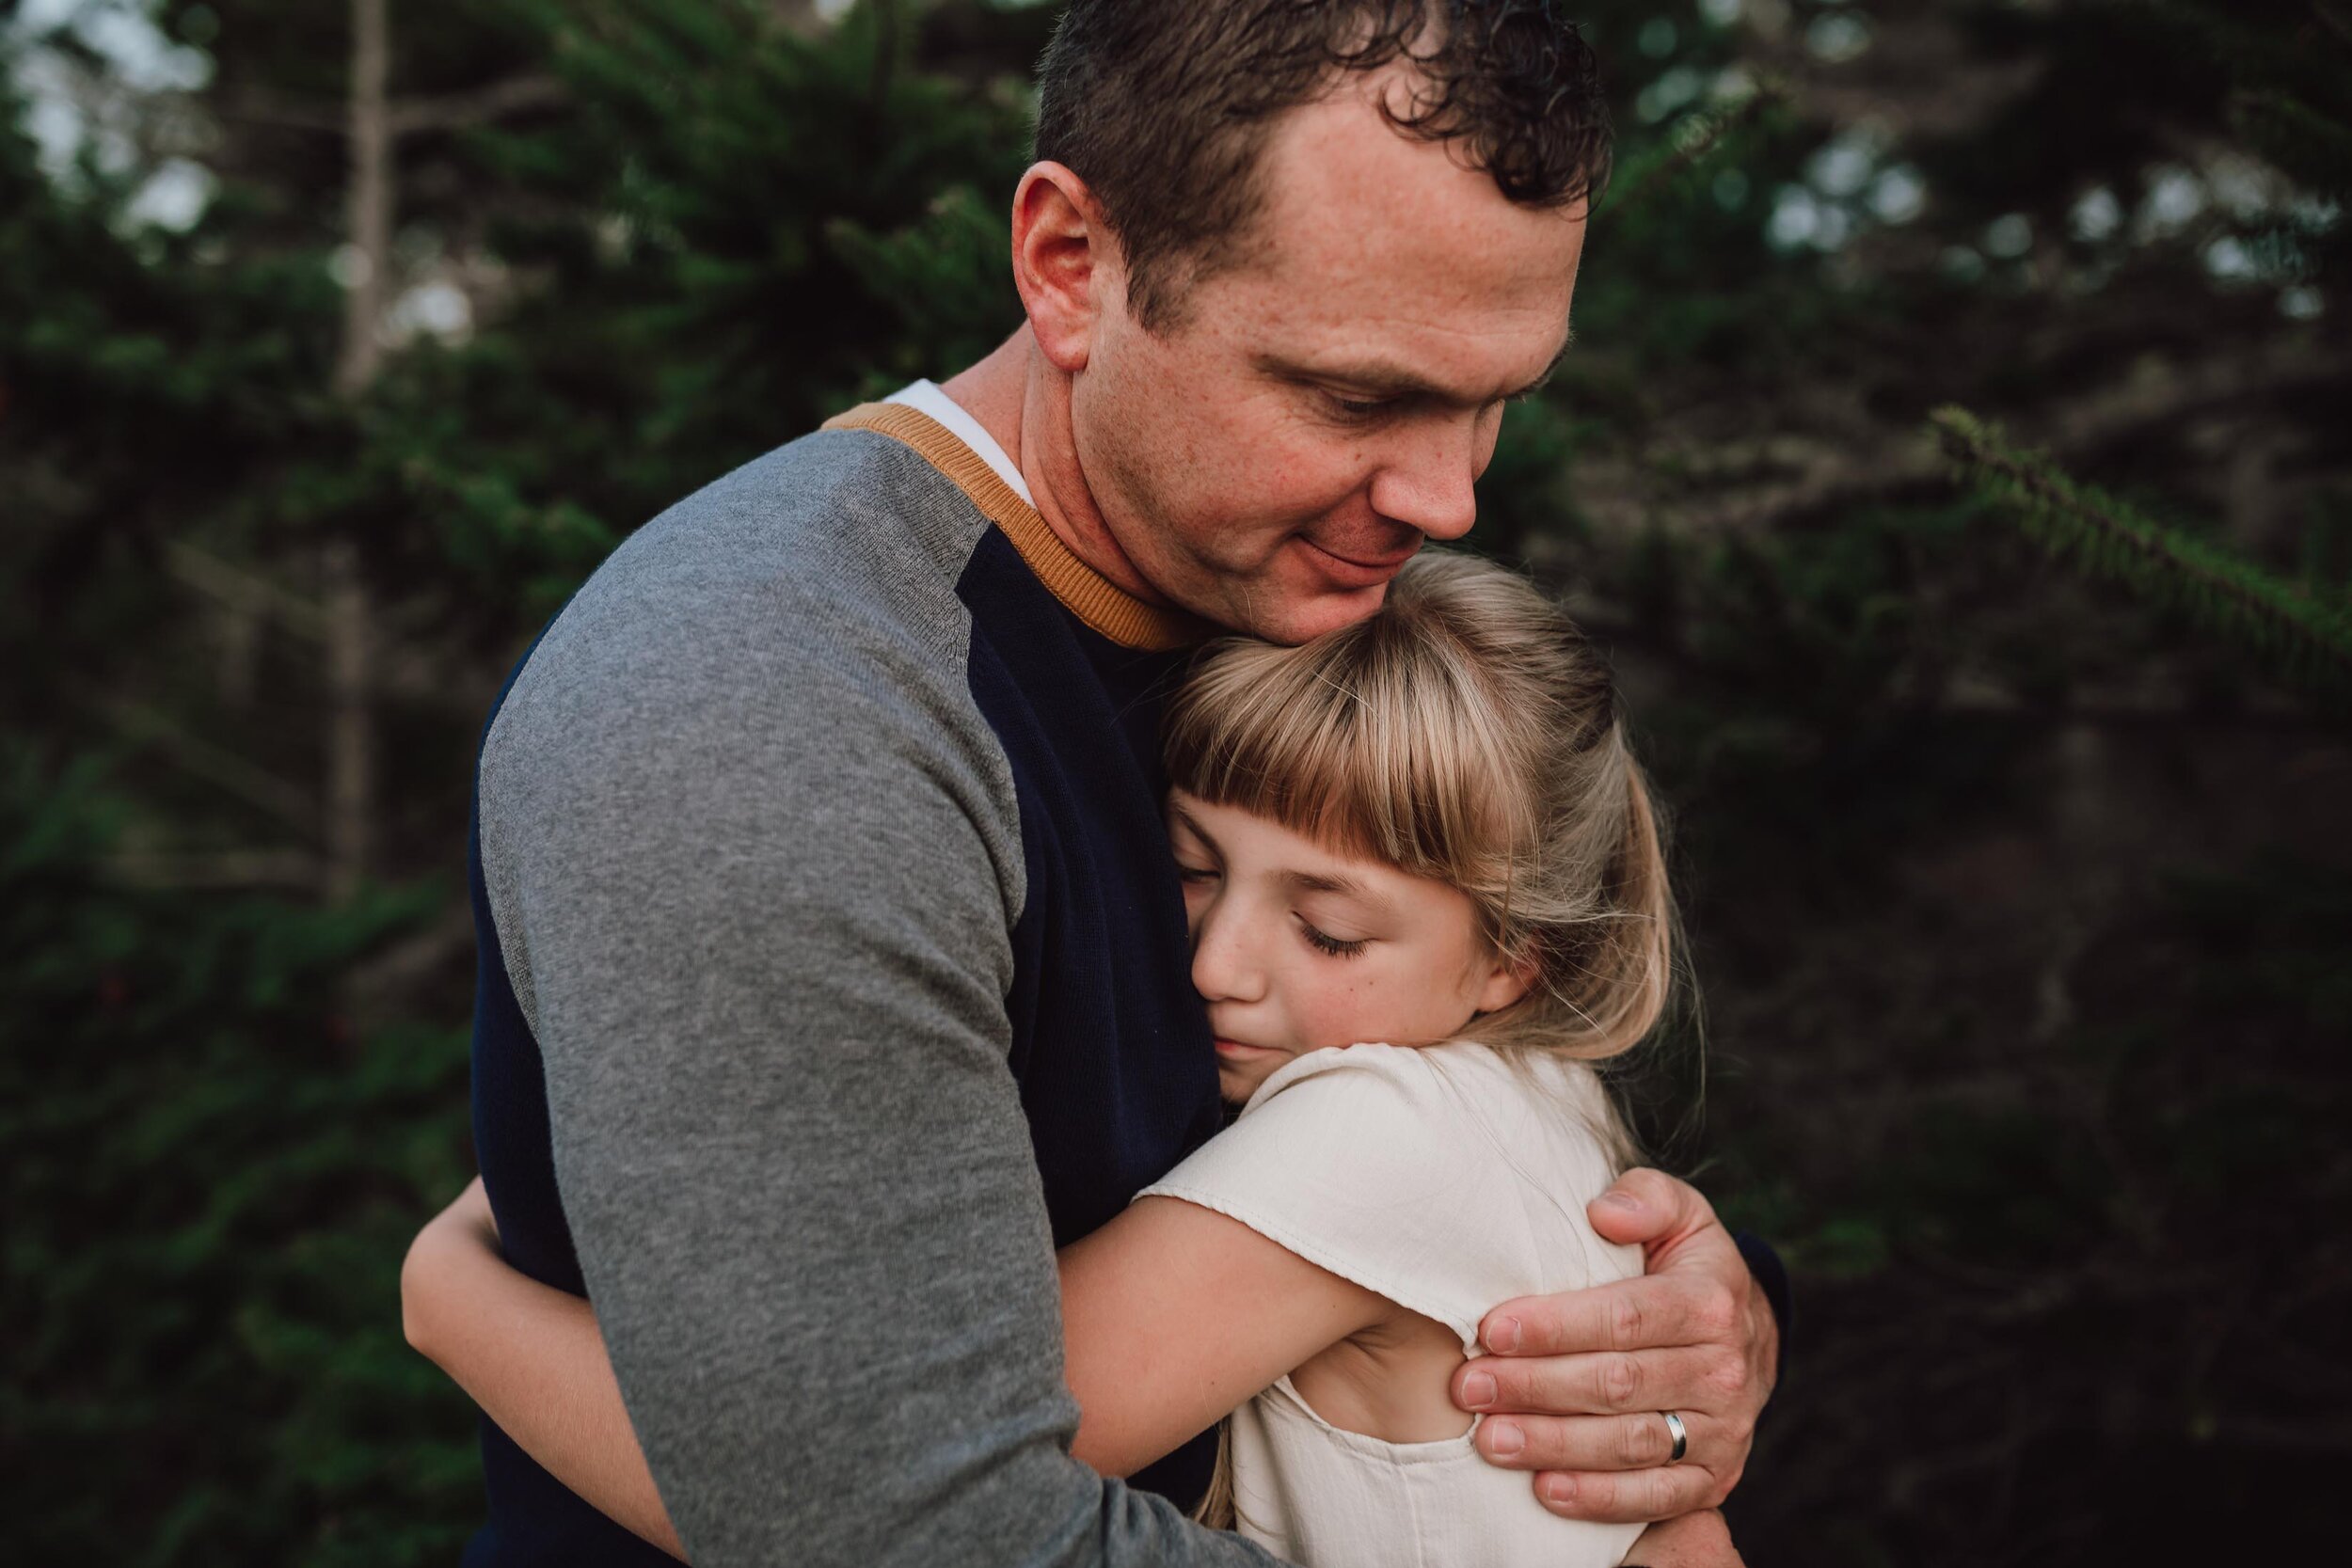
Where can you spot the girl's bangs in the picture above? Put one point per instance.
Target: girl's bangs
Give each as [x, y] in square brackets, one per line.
[1368, 746]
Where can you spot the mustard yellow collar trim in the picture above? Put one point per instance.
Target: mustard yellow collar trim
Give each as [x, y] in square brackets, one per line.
[1093, 599]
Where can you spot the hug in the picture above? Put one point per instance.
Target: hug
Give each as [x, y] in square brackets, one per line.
[894, 865]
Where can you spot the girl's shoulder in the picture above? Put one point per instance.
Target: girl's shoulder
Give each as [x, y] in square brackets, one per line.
[1446, 1179]
[1466, 1061]
[1443, 1091]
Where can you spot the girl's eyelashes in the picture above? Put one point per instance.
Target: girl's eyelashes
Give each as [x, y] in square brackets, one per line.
[1194, 873]
[1324, 943]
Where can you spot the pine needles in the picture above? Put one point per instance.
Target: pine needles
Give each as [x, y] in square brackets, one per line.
[2304, 636]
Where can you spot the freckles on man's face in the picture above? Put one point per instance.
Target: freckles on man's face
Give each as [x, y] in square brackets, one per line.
[1325, 399]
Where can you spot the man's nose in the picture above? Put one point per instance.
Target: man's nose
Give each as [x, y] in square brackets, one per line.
[1224, 964]
[1429, 481]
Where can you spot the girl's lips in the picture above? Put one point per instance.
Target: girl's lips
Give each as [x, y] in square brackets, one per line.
[1238, 1048]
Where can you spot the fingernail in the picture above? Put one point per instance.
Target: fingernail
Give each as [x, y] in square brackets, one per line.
[1504, 1334]
[1620, 1200]
[1559, 1490]
[1478, 1390]
[1505, 1439]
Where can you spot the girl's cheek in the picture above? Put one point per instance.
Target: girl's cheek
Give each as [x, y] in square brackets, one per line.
[1336, 1012]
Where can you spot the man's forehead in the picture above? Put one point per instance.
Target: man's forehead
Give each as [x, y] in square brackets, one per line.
[1343, 157]
[1366, 232]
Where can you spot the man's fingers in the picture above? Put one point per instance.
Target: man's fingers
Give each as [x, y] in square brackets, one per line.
[1655, 1309]
[1696, 1377]
[1629, 1496]
[1641, 1441]
[1644, 1206]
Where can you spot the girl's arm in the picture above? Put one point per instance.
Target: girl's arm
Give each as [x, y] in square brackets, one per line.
[1172, 1317]
[532, 1358]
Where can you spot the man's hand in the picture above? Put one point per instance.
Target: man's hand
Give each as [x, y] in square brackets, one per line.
[1574, 1384]
[1694, 1540]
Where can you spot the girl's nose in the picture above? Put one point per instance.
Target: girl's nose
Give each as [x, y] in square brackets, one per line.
[1224, 963]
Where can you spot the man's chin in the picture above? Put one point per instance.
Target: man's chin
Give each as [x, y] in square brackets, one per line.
[1292, 612]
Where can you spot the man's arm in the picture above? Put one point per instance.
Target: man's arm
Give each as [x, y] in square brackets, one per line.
[1577, 1381]
[757, 907]
[1693, 1540]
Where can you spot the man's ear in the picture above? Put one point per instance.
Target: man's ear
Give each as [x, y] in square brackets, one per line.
[1065, 261]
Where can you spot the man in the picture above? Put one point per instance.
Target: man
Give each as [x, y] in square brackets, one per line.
[834, 968]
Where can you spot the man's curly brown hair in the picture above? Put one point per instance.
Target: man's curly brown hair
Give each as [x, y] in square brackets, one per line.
[1163, 107]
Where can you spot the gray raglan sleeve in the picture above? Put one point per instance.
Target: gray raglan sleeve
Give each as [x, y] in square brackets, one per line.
[758, 915]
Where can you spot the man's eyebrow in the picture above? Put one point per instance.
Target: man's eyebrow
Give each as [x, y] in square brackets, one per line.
[1387, 379]
[1549, 371]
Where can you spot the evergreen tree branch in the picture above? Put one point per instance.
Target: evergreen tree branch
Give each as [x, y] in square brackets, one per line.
[2307, 639]
[2296, 137]
[1696, 139]
[457, 111]
[403, 116]
[234, 870]
[381, 983]
[270, 112]
[222, 768]
[246, 592]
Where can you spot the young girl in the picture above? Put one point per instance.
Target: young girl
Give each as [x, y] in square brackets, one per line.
[1423, 830]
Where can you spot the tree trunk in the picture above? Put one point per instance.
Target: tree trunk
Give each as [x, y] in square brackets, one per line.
[350, 826]
[368, 201]
[349, 829]
[797, 16]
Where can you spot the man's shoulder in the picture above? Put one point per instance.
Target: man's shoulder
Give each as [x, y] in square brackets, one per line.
[839, 525]
[807, 600]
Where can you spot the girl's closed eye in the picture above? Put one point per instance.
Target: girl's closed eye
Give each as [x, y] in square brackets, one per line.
[1338, 947]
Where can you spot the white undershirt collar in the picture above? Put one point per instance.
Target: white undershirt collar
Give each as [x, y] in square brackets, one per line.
[925, 397]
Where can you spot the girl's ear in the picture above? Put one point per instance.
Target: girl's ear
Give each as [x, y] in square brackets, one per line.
[1506, 984]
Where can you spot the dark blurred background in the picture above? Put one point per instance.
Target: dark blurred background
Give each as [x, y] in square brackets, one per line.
[1957, 455]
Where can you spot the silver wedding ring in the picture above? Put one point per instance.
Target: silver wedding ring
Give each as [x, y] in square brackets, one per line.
[1675, 1429]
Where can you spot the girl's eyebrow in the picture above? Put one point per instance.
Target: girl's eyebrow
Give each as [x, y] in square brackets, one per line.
[1305, 881]
[1348, 887]
[1181, 815]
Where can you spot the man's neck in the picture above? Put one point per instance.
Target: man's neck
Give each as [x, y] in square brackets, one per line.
[1024, 403]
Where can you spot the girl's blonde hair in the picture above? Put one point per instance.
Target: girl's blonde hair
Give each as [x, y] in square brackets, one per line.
[1467, 732]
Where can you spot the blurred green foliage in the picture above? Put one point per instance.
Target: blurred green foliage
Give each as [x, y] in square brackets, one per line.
[2019, 902]
[211, 1179]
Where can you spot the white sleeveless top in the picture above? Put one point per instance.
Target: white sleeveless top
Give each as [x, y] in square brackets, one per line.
[1449, 1182]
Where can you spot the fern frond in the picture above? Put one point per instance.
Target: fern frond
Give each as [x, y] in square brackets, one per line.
[2307, 639]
